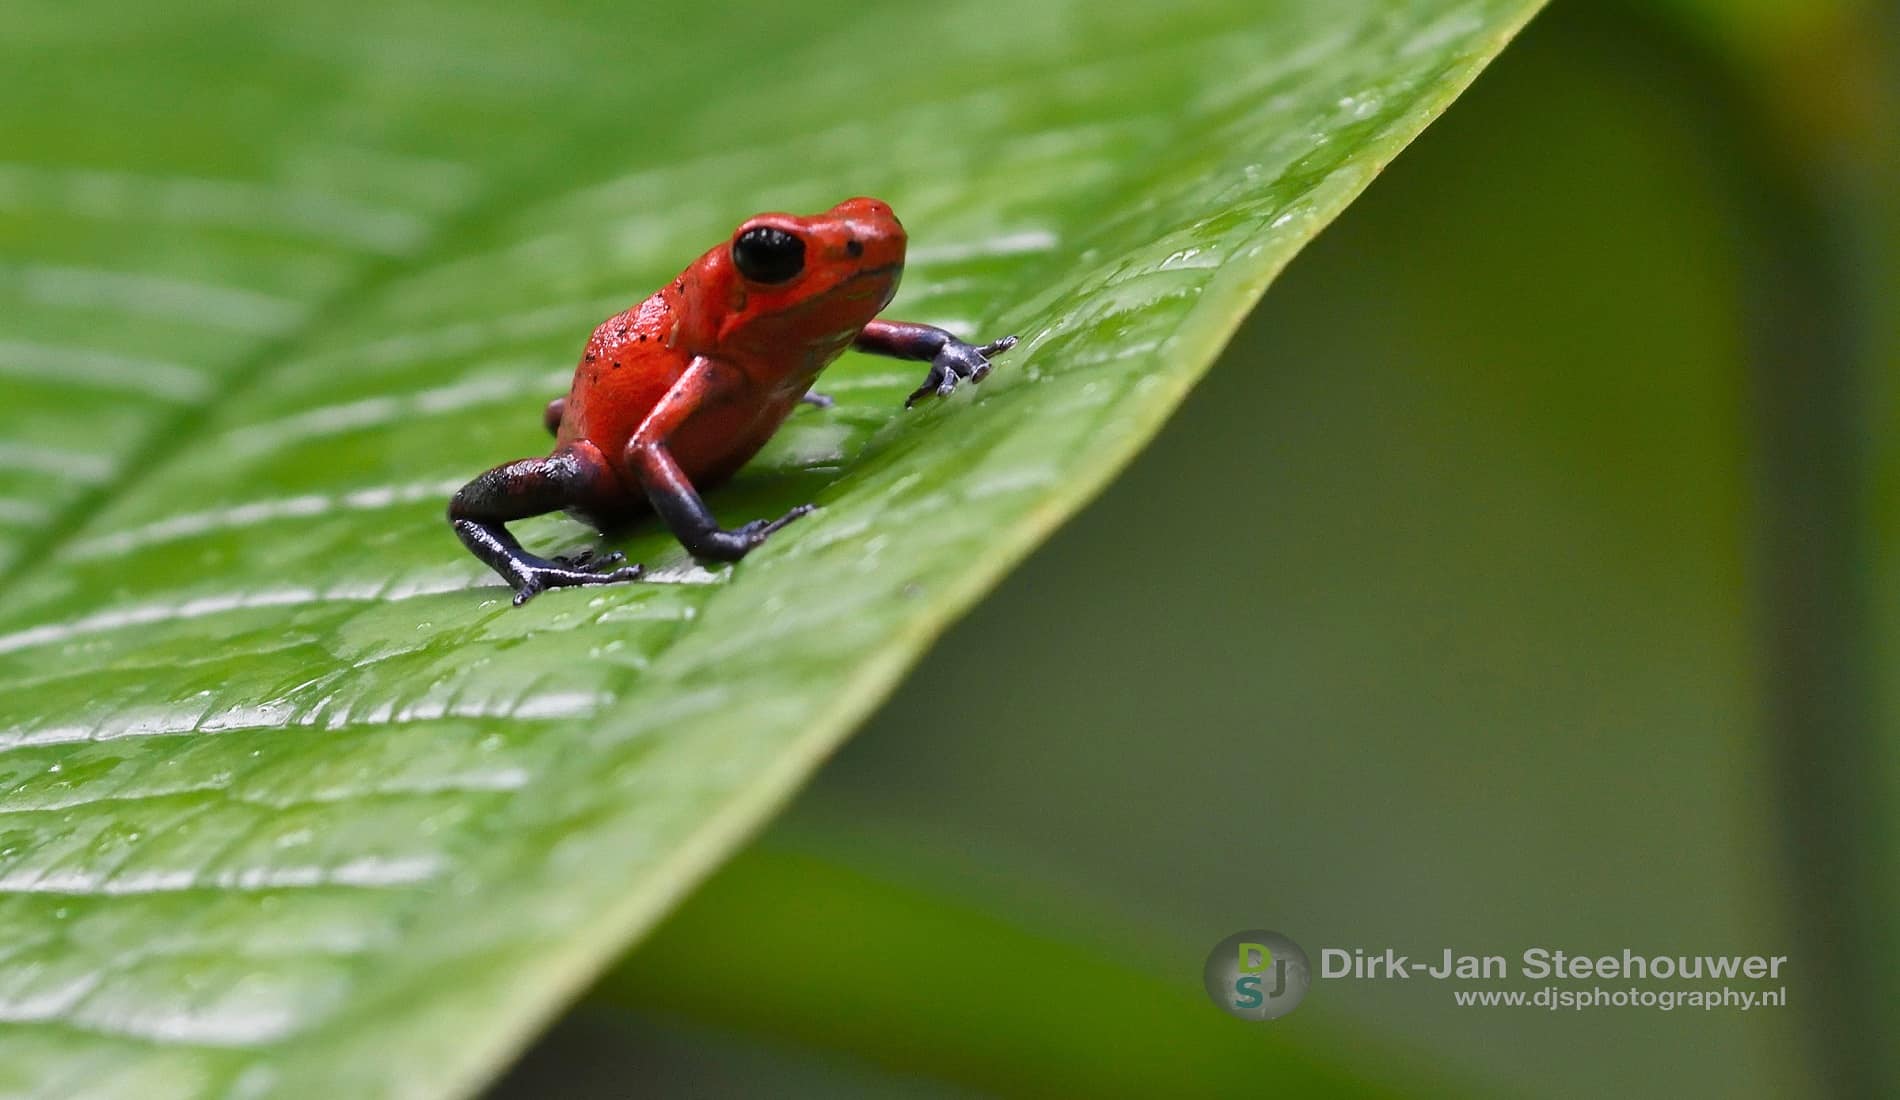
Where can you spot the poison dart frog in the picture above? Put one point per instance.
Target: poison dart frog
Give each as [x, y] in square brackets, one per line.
[673, 395]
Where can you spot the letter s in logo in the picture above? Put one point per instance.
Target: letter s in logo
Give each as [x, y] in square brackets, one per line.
[1247, 993]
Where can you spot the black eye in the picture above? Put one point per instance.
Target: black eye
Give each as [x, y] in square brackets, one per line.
[767, 255]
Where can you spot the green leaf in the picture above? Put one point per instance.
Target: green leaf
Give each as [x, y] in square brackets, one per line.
[893, 975]
[294, 800]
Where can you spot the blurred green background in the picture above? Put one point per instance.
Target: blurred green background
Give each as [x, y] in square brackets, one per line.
[1522, 575]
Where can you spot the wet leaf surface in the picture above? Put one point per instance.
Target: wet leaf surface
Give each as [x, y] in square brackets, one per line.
[290, 796]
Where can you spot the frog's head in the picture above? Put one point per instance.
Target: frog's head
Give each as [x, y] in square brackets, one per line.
[812, 281]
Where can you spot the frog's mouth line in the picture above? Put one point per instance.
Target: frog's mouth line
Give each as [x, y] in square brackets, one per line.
[887, 274]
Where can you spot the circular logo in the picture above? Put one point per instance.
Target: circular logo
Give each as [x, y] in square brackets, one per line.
[1257, 975]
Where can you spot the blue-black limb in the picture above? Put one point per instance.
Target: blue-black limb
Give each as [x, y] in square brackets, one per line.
[951, 360]
[532, 487]
[667, 486]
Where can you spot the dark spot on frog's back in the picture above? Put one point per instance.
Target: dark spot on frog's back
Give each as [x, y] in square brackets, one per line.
[589, 357]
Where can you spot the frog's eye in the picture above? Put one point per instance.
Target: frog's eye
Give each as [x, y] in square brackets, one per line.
[764, 254]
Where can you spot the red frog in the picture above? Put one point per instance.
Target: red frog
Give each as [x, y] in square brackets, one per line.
[675, 394]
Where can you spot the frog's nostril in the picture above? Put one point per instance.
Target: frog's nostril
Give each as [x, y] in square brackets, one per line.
[854, 248]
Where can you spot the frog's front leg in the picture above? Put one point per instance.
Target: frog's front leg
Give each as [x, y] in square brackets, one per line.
[532, 487]
[951, 360]
[706, 382]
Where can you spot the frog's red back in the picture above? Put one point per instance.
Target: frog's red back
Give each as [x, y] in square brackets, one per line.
[624, 371]
[774, 336]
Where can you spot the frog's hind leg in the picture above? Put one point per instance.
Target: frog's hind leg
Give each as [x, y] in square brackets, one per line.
[569, 477]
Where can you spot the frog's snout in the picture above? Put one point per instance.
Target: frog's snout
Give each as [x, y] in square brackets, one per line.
[870, 235]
